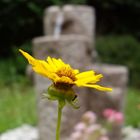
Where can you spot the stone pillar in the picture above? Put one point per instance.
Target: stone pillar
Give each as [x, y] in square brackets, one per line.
[73, 50]
[78, 20]
[116, 77]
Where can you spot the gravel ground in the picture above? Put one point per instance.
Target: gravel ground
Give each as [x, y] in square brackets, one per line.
[27, 132]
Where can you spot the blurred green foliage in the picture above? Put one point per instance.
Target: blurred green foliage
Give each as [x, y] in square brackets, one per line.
[17, 105]
[21, 20]
[12, 69]
[17, 97]
[132, 108]
[117, 16]
[124, 50]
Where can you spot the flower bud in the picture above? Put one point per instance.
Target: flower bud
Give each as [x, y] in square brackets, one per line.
[63, 95]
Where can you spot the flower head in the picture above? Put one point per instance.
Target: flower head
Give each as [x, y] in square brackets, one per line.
[63, 75]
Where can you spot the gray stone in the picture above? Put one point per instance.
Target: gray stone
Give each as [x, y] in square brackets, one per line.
[116, 77]
[67, 48]
[73, 23]
[29, 72]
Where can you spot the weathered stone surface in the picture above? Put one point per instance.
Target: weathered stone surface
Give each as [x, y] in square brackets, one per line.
[73, 23]
[50, 17]
[116, 77]
[67, 48]
[72, 49]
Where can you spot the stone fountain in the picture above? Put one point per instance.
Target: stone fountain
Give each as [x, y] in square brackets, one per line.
[72, 37]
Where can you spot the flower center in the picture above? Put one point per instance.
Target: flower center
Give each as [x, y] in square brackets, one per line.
[67, 72]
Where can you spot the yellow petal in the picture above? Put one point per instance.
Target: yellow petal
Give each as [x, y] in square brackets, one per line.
[65, 80]
[97, 78]
[57, 63]
[61, 62]
[27, 56]
[85, 74]
[51, 64]
[86, 80]
[98, 87]
[76, 71]
[39, 66]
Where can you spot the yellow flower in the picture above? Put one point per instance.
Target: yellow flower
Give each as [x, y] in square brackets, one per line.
[63, 75]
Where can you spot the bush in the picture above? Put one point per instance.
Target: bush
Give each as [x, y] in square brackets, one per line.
[21, 20]
[122, 50]
[13, 68]
[117, 16]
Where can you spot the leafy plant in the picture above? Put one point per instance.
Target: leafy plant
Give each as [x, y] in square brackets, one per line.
[122, 50]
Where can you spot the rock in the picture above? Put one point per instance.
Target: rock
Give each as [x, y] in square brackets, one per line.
[73, 23]
[116, 77]
[25, 132]
[130, 133]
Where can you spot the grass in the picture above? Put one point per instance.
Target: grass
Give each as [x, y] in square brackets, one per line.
[17, 97]
[132, 109]
[17, 106]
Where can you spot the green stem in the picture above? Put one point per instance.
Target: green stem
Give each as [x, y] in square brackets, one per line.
[60, 107]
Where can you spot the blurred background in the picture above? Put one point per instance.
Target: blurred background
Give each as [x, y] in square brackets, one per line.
[117, 42]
